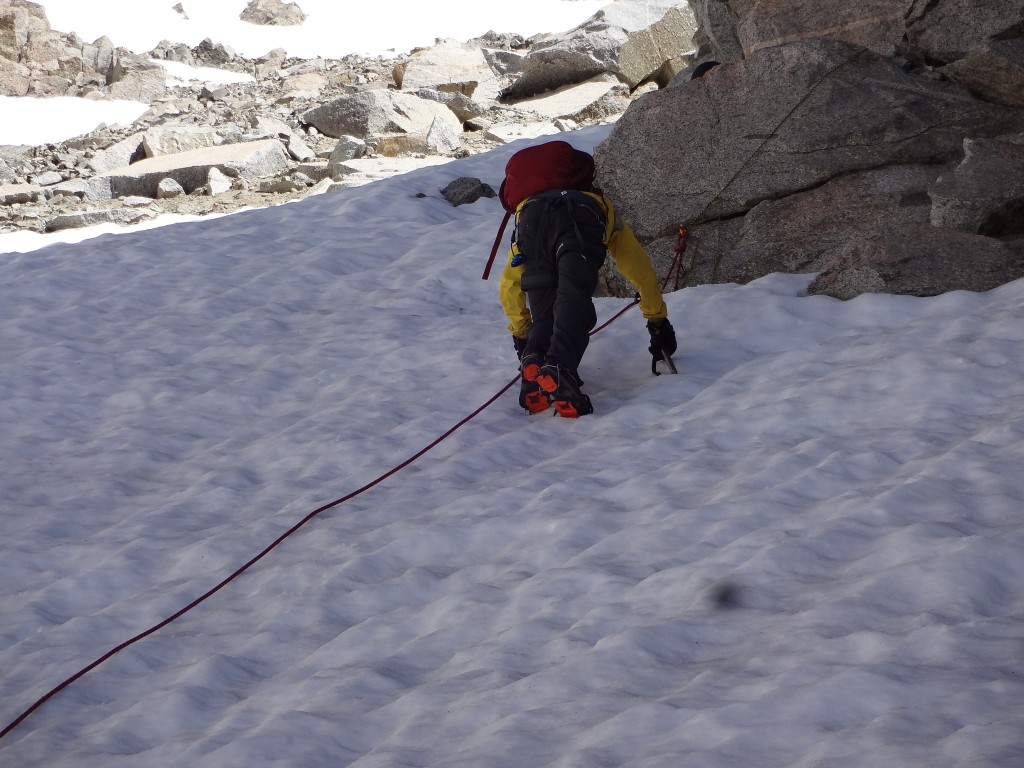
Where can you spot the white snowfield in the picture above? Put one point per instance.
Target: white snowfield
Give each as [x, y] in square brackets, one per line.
[804, 550]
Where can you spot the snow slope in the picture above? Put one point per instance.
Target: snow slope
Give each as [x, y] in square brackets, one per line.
[804, 550]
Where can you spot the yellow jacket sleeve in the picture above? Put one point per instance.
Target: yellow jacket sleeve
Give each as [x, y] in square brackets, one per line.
[635, 265]
[513, 300]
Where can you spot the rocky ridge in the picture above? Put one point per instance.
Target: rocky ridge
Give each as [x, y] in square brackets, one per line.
[299, 127]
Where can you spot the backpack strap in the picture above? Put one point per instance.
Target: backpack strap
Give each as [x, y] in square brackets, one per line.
[497, 242]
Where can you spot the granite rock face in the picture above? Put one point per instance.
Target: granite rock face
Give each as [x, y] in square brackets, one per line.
[272, 13]
[831, 138]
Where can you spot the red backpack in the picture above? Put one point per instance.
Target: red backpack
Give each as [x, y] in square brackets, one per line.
[551, 165]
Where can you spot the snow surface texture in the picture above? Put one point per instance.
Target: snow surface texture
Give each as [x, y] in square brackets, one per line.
[804, 550]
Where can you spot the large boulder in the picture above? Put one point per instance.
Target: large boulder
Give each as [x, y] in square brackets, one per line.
[52, 52]
[946, 30]
[12, 194]
[716, 35]
[631, 39]
[394, 121]
[119, 154]
[267, 126]
[918, 261]
[78, 219]
[941, 31]
[802, 232]
[100, 57]
[452, 67]
[985, 193]
[462, 106]
[874, 24]
[15, 78]
[55, 63]
[7, 173]
[787, 159]
[273, 13]
[136, 79]
[466, 190]
[170, 140]
[655, 49]
[19, 19]
[593, 100]
[246, 160]
[979, 43]
[211, 54]
[994, 70]
[786, 119]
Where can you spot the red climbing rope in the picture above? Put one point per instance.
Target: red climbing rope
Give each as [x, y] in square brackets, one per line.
[214, 590]
[156, 627]
[677, 272]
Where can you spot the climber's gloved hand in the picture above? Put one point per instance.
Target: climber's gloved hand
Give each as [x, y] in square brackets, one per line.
[663, 338]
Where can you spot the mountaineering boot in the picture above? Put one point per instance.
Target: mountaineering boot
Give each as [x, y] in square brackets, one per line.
[530, 395]
[562, 386]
